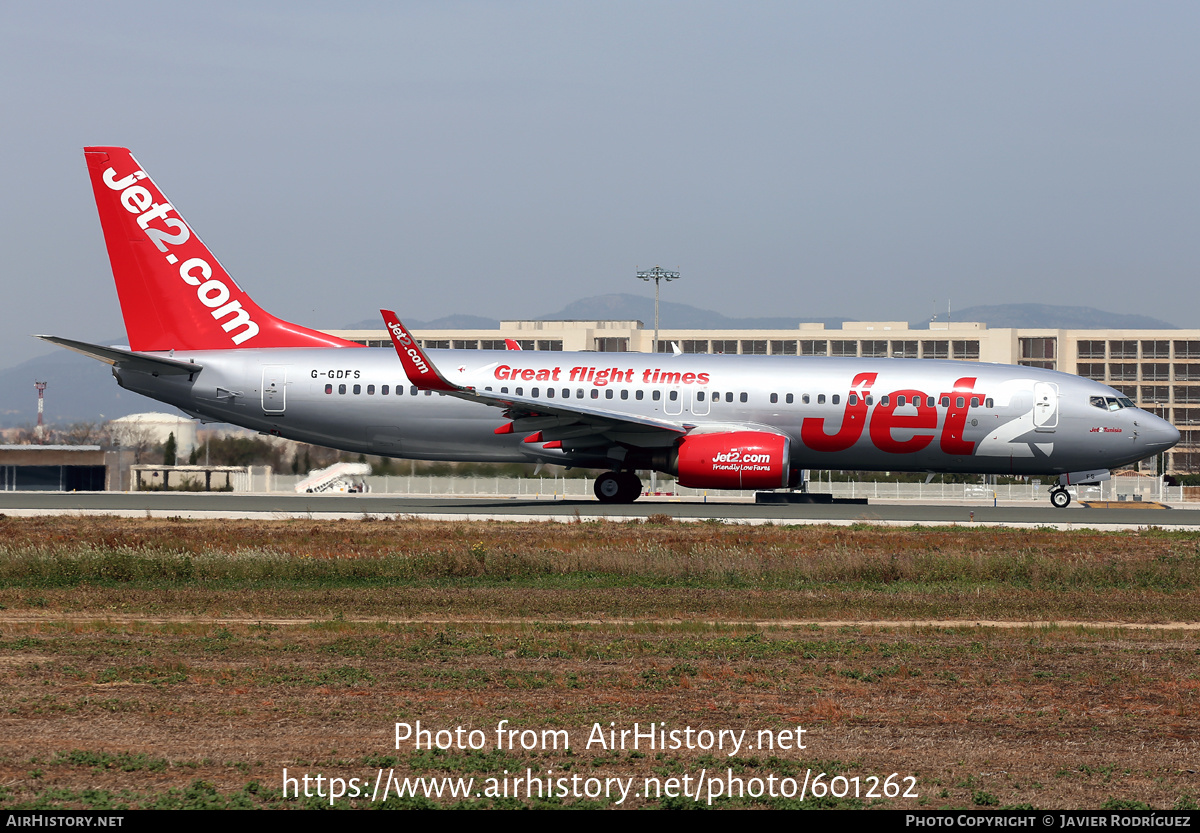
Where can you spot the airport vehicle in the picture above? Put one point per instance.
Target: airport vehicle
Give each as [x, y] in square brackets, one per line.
[198, 342]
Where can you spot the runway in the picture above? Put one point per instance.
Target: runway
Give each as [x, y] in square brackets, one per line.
[282, 505]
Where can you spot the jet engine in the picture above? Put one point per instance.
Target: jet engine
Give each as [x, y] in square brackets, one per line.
[733, 460]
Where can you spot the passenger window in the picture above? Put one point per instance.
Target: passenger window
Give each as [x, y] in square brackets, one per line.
[504, 390]
[929, 402]
[870, 399]
[596, 393]
[804, 399]
[578, 393]
[329, 388]
[430, 393]
[729, 396]
[974, 401]
[412, 391]
[534, 392]
[625, 394]
[959, 402]
[357, 390]
[639, 395]
[988, 403]
[789, 399]
[608, 394]
[674, 395]
[656, 395]
[370, 390]
[567, 393]
[699, 396]
[853, 400]
[383, 391]
[774, 398]
[837, 399]
[521, 391]
[945, 401]
[742, 397]
[900, 401]
[820, 399]
[550, 393]
[884, 401]
[341, 389]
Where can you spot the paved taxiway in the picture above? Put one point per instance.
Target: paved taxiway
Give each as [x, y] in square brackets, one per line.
[906, 513]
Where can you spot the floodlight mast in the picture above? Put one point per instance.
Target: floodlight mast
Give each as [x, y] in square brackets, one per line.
[657, 274]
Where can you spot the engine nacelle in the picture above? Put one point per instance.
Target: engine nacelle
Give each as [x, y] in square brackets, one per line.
[734, 460]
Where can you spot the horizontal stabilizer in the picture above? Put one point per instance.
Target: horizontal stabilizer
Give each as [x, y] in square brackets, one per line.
[145, 363]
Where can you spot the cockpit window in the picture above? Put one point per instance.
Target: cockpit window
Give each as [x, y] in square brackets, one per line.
[1111, 403]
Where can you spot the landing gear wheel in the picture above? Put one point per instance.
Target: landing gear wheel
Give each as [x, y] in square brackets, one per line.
[613, 487]
[631, 487]
[1061, 498]
[608, 488]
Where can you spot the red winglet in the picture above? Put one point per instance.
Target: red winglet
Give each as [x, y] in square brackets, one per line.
[506, 428]
[511, 344]
[420, 370]
[553, 444]
[535, 437]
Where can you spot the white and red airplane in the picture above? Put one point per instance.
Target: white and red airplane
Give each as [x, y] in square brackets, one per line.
[198, 342]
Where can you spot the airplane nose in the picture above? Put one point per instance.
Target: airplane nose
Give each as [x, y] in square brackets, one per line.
[1160, 434]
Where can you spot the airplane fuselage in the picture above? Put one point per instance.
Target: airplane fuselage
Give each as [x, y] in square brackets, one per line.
[864, 414]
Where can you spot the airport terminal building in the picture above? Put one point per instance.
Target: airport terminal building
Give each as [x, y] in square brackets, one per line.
[1158, 369]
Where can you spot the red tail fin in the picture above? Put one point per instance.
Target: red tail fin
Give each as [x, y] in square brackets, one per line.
[174, 294]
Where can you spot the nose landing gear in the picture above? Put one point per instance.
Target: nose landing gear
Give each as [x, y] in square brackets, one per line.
[1060, 497]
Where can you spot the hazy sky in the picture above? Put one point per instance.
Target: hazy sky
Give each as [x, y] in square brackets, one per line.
[870, 160]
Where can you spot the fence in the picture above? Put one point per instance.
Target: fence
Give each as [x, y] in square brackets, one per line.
[551, 488]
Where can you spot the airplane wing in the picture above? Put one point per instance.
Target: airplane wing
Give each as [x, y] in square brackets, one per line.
[557, 425]
[144, 362]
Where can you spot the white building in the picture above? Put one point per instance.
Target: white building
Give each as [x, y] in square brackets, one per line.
[152, 429]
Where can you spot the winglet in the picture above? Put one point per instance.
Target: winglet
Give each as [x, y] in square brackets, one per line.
[420, 370]
[511, 344]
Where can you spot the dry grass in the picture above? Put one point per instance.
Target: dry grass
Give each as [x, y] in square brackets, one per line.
[101, 706]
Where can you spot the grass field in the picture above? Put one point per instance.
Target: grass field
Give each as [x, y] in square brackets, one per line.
[160, 663]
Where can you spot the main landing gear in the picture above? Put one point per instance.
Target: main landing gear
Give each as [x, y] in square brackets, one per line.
[618, 487]
[1060, 497]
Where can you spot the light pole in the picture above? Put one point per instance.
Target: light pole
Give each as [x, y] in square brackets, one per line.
[657, 274]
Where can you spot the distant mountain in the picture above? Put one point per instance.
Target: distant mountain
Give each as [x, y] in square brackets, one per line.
[620, 307]
[447, 322]
[1048, 317]
[673, 316]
